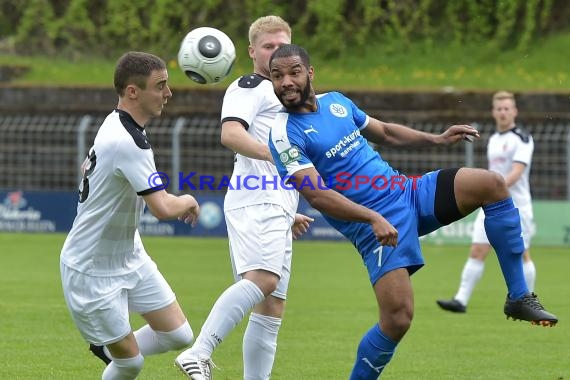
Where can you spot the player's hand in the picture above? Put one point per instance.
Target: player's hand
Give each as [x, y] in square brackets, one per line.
[301, 225]
[192, 212]
[386, 234]
[457, 133]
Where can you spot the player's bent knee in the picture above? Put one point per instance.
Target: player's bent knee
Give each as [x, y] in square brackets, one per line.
[479, 251]
[266, 281]
[271, 288]
[397, 322]
[496, 185]
[178, 338]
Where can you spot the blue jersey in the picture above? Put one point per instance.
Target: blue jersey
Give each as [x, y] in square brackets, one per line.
[330, 140]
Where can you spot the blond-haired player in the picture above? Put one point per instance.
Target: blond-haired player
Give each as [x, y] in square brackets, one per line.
[509, 153]
[261, 222]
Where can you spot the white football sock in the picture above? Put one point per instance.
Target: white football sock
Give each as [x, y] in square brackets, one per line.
[529, 274]
[259, 346]
[153, 342]
[230, 308]
[470, 276]
[123, 369]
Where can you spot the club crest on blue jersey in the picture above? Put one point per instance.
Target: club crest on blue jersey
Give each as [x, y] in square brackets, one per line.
[338, 110]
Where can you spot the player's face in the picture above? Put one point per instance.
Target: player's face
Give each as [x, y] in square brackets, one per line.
[263, 47]
[153, 98]
[292, 83]
[504, 113]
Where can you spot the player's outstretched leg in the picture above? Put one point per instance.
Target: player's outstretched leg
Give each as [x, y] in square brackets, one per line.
[529, 308]
[503, 228]
[228, 310]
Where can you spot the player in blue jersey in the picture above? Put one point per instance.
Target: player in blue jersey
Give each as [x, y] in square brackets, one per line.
[320, 147]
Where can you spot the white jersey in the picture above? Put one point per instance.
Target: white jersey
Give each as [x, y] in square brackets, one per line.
[250, 100]
[505, 148]
[104, 239]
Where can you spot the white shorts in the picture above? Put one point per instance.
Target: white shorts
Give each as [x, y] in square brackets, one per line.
[527, 225]
[100, 306]
[260, 237]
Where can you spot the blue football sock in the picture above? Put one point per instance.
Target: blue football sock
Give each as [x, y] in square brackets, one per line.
[503, 228]
[374, 352]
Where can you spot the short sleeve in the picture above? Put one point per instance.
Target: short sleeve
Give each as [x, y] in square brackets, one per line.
[137, 166]
[288, 147]
[524, 151]
[242, 103]
[359, 117]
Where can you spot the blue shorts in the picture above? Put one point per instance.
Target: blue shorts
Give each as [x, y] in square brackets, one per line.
[411, 211]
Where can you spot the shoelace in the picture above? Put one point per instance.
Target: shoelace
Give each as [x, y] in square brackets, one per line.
[533, 301]
[207, 366]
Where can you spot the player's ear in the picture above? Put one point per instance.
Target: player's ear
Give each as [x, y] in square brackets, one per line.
[311, 73]
[131, 91]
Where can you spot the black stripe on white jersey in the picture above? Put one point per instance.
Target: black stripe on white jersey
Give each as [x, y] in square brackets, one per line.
[522, 133]
[239, 120]
[251, 80]
[135, 130]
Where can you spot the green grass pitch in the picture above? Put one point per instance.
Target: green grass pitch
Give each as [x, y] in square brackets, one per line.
[330, 306]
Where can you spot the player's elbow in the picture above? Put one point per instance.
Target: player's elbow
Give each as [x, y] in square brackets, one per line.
[158, 205]
[230, 135]
[225, 139]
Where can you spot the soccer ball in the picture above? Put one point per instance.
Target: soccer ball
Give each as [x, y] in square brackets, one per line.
[206, 55]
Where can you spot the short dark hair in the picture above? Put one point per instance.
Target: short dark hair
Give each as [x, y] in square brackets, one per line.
[291, 50]
[135, 67]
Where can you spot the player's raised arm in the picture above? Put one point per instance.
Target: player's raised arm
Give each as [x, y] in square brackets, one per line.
[394, 134]
[235, 137]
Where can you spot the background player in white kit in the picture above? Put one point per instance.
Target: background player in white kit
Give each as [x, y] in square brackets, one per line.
[509, 152]
[261, 222]
[105, 269]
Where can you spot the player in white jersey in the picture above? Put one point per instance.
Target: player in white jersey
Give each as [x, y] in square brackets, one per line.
[105, 270]
[261, 219]
[509, 152]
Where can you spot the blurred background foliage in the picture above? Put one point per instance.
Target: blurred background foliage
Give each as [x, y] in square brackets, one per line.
[75, 28]
[366, 44]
